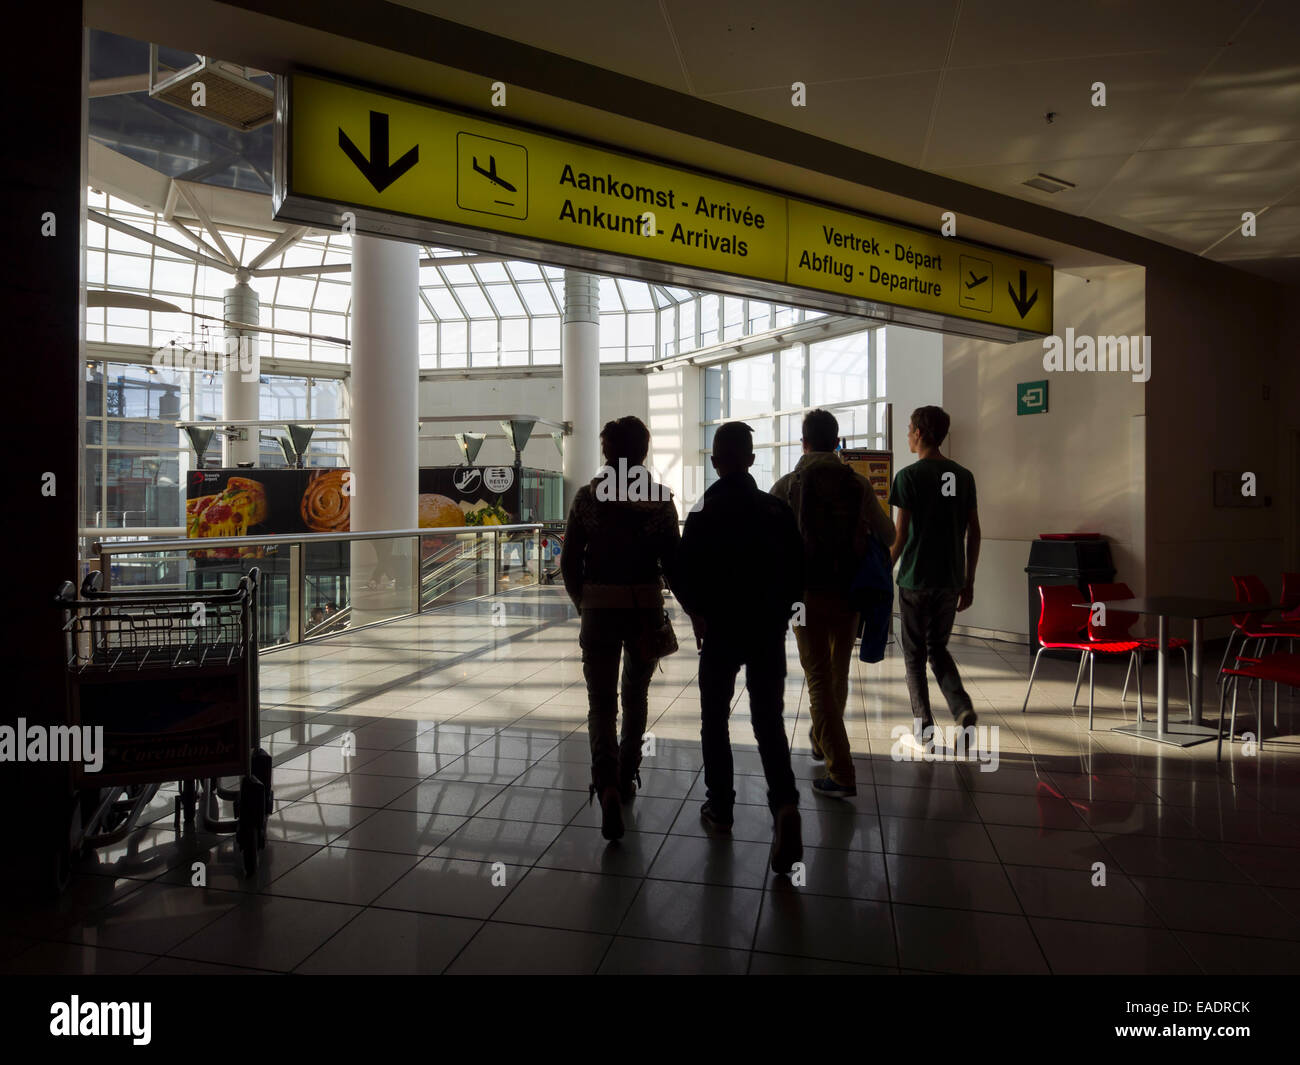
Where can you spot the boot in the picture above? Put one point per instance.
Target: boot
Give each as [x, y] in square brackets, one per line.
[611, 812]
[787, 840]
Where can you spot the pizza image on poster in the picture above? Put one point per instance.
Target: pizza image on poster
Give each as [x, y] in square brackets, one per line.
[228, 506]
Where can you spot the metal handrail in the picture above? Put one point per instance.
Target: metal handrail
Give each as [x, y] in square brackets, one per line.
[431, 575]
[288, 539]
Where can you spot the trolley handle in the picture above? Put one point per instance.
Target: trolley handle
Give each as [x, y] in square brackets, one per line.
[91, 595]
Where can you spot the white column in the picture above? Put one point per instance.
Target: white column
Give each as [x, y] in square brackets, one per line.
[580, 376]
[240, 392]
[384, 399]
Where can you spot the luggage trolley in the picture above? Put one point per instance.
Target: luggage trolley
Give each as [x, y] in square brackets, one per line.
[551, 543]
[171, 678]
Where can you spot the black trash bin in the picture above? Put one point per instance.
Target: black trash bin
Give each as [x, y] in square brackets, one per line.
[1077, 561]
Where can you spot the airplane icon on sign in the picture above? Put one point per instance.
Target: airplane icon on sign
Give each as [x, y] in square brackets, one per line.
[491, 173]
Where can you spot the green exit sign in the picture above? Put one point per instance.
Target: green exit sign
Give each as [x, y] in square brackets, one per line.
[1031, 397]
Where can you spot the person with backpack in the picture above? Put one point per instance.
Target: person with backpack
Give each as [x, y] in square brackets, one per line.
[937, 546]
[740, 619]
[621, 545]
[836, 512]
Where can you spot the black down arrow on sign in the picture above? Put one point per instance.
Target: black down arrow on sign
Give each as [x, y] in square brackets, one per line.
[377, 169]
[1023, 301]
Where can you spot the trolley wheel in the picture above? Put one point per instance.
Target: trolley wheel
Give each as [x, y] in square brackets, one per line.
[60, 871]
[250, 822]
[189, 798]
[262, 770]
[57, 861]
[248, 849]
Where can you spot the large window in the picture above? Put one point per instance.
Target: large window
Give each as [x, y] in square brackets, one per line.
[772, 390]
[136, 460]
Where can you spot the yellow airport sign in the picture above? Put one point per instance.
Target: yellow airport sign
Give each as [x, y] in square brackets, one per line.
[562, 200]
[860, 256]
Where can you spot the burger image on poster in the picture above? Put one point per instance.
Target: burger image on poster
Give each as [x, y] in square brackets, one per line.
[439, 512]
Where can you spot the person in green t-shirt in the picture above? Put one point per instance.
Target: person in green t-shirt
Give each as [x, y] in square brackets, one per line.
[937, 545]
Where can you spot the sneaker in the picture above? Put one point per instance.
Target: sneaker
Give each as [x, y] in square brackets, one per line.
[828, 788]
[714, 819]
[611, 814]
[967, 718]
[787, 840]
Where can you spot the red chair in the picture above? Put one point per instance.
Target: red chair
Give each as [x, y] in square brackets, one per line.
[1290, 601]
[1250, 589]
[1278, 668]
[1063, 626]
[1117, 628]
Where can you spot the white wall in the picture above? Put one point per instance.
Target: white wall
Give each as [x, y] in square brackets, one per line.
[1078, 468]
[619, 395]
[913, 378]
[673, 401]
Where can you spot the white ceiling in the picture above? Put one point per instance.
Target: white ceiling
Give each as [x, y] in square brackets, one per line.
[1201, 123]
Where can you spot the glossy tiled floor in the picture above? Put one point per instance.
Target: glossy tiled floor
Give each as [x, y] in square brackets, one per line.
[431, 816]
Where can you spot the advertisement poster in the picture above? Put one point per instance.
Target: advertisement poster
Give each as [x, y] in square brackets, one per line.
[265, 503]
[272, 502]
[877, 467]
[468, 495]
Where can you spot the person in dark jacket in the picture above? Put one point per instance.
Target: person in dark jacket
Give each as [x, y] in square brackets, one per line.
[620, 545]
[741, 573]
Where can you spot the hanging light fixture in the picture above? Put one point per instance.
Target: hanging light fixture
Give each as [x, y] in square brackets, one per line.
[469, 445]
[517, 431]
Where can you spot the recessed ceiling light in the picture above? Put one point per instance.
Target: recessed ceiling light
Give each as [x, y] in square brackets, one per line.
[1047, 183]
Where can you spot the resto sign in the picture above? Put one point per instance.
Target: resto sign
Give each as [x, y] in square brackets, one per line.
[422, 171]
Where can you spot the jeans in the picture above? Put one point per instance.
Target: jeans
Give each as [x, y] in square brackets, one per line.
[606, 634]
[826, 653]
[927, 615]
[764, 660]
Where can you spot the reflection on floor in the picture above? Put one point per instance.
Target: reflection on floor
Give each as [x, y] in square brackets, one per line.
[431, 816]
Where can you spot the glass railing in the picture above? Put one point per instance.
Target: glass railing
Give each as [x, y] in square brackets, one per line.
[315, 585]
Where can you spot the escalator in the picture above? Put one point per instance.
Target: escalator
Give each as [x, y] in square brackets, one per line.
[449, 569]
[442, 575]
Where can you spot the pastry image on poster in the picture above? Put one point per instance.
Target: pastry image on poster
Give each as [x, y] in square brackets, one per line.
[326, 504]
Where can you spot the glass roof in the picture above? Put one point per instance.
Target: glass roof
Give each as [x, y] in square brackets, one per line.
[475, 310]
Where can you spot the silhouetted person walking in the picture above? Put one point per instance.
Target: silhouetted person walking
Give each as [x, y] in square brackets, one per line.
[620, 544]
[937, 546]
[836, 511]
[741, 572]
